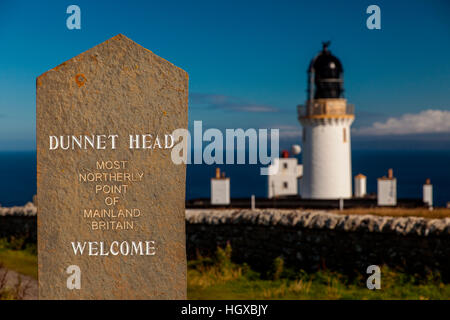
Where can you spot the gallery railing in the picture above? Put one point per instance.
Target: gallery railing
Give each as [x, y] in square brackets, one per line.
[319, 109]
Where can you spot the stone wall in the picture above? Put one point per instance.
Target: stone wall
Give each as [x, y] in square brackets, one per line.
[305, 240]
[315, 240]
[19, 222]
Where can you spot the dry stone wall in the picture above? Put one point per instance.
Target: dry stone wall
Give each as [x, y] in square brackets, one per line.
[308, 240]
[318, 239]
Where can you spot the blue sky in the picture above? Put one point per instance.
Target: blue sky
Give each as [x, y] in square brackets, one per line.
[247, 60]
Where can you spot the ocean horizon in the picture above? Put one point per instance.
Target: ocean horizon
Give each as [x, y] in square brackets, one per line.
[411, 168]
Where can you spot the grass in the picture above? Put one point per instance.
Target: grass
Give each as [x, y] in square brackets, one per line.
[219, 278]
[436, 213]
[320, 287]
[16, 255]
[19, 261]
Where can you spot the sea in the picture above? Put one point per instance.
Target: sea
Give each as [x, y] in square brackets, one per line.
[411, 168]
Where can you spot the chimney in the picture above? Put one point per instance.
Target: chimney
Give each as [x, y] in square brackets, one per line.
[428, 181]
[223, 175]
[217, 173]
[284, 154]
[390, 174]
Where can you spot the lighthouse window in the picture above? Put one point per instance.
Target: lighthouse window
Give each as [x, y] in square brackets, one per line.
[285, 185]
[285, 165]
[345, 135]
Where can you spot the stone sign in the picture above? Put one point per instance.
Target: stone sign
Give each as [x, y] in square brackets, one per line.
[111, 218]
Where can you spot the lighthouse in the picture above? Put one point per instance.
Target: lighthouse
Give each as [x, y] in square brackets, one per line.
[326, 119]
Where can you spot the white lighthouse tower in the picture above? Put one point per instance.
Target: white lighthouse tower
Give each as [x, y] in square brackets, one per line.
[326, 119]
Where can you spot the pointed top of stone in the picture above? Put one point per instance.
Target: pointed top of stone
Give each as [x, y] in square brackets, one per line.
[120, 44]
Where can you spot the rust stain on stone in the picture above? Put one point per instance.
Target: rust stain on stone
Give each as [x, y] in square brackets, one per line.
[80, 79]
[59, 66]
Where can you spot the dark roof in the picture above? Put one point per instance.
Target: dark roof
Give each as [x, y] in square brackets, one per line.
[326, 71]
[325, 65]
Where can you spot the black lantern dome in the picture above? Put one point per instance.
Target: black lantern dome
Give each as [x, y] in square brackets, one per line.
[325, 75]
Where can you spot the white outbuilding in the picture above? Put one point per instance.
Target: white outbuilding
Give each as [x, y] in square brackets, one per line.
[387, 190]
[220, 189]
[284, 175]
[428, 193]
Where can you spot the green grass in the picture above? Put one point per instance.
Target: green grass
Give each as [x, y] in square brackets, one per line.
[19, 261]
[311, 289]
[219, 278]
[18, 256]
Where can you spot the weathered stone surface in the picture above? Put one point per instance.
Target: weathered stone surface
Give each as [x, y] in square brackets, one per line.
[27, 288]
[116, 88]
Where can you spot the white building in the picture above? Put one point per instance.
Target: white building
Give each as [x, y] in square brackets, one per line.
[360, 186]
[326, 119]
[284, 174]
[220, 189]
[387, 190]
[428, 193]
